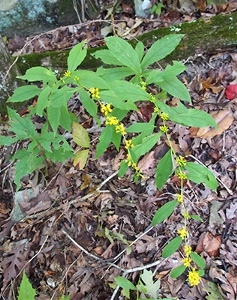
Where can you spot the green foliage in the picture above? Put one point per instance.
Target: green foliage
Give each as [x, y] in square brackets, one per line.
[146, 286]
[26, 291]
[112, 91]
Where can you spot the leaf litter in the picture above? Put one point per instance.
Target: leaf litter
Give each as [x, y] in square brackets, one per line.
[104, 221]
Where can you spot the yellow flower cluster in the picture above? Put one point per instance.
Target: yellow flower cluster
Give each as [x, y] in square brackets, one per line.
[164, 128]
[133, 165]
[183, 232]
[181, 161]
[187, 250]
[193, 277]
[128, 144]
[180, 198]
[120, 129]
[67, 73]
[105, 109]
[181, 175]
[187, 261]
[110, 120]
[164, 116]
[94, 92]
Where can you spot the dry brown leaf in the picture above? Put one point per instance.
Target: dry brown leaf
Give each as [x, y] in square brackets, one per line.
[211, 244]
[223, 118]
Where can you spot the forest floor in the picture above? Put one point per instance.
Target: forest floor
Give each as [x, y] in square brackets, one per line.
[70, 230]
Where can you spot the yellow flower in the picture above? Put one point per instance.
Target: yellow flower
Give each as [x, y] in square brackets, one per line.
[181, 161]
[94, 92]
[111, 121]
[186, 215]
[187, 261]
[152, 98]
[187, 250]
[76, 78]
[120, 128]
[183, 233]
[164, 116]
[157, 110]
[106, 109]
[164, 129]
[181, 175]
[128, 144]
[193, 277]
[67, 73]
[180, 198]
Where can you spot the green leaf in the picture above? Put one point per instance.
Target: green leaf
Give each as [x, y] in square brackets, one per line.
[161, 49]
[107, 57]
[22, 127]
[123, 169]
[27, 162]
[164, 169]
[39, 74]
[124, 283]
[171, 247]
[198, 260]
[164, 212]
[140, 127]
[200, 174]
[53, 117]
[26, 291]
[196, 217]
[80, 135]
[124, 53]
[187, 117]
[176, 272]
[146, 145]
[114, 73]
[61, 96]
[24, 93]
[7, 140]
[89, 79]
[129, 91]
[42, 101]
[80, 159]
[65, 119]
[175, 87]
[89, 104]
[76, 56]
[140, 50]
[105, 139]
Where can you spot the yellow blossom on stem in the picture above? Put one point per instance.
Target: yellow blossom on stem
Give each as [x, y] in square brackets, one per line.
[157, 110]
[67, 73]
[187, 261]
[181, 161]
[181, 175]
[164, 116]
[94, 92]
[152, 98]
[180, 198]
[187, 250]
[120, 128]
[111, 120]
[106, 109]
[128, 144]
[183, 233]
[164, 129]
[193, 277]
[186, 215]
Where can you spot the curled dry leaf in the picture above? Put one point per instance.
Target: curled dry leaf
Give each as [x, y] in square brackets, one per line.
[223, 118]
[211, 244]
